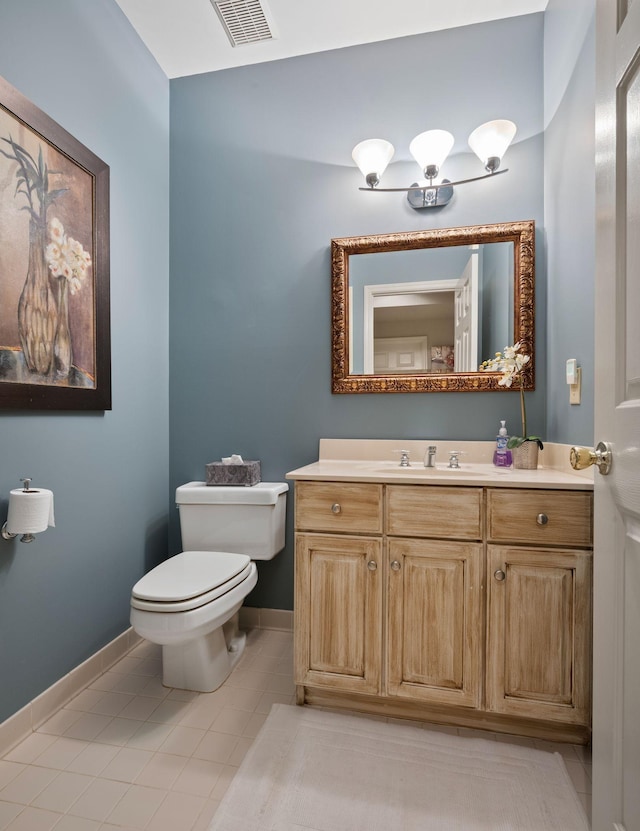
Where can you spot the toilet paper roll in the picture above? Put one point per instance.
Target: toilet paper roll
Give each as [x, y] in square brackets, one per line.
[30, 512]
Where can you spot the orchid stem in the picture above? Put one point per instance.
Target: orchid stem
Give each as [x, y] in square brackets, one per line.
[523, 411]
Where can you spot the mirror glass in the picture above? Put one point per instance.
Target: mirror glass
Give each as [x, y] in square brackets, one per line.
[421, 311]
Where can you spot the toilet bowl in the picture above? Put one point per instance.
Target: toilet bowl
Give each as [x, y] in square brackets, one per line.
[189, 603]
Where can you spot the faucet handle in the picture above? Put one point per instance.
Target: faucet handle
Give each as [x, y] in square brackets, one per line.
[404, 458]
[453, 457]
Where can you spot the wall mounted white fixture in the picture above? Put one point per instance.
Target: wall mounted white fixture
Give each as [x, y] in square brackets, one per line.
[489, 142]
[30, 512]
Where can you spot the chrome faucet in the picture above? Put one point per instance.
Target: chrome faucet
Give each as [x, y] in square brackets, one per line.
[453, 458]
[430, 456]
[404, 458]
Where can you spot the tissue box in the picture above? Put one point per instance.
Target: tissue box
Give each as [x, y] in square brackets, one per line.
[248, 473]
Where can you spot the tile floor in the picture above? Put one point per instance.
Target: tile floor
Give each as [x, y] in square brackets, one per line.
[128, 753]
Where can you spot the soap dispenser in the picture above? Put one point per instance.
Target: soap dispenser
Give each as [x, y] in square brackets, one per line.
[502, 455]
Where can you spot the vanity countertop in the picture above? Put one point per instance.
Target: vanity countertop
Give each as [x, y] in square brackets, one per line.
[362, 460]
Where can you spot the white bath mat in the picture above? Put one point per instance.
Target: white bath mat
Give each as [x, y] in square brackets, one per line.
[310, 770]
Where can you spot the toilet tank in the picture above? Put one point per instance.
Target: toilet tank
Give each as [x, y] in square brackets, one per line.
[243, 520]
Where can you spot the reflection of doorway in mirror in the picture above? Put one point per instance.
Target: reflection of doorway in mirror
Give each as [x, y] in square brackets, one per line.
[442, 312]
[398, 313]
[467, 335]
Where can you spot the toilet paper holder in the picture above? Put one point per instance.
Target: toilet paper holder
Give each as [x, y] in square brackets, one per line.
[7, 535]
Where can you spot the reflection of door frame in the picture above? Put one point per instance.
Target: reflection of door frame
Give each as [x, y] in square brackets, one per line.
[386, 289]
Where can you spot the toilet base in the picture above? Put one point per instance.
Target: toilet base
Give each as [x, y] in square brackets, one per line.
[203, 664]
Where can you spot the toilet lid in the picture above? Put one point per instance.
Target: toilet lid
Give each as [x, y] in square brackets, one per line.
[189, 575]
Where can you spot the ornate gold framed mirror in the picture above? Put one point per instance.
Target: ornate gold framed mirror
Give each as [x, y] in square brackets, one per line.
[420, 311]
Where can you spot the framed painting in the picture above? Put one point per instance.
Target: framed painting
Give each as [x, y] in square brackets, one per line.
[55, 351]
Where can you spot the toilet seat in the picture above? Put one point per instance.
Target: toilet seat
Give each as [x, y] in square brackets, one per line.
[189, 580]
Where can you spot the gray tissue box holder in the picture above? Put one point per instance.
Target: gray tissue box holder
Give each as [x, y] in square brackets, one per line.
[248, 473]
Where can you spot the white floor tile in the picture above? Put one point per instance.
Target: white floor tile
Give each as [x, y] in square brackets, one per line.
[27, 785]
[182, 741]
[34, 819]
[216, 747]
[128, 754]
[137, 806]
[87, 726]
[61, 753]
[99, 799]
[9, 771]
[8, 812]
[60, 794]
[30, 748]
[162, 770]
[179, 810]
[93, 759]
[127, 764]
[198, 777]
[69, 823]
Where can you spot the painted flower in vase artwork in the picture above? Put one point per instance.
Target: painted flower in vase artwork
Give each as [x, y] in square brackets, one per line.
[68, 265]
[511, 364]
[66, 258]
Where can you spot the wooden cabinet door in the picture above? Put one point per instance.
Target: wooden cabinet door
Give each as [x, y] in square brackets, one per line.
[338, 612]
[435, 621]
[539, 633]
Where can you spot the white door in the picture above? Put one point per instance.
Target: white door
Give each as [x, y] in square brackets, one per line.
[466, 318]
[616, 704]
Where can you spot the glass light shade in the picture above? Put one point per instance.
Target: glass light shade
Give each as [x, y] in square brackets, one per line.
[431, 148]
[372, 156]
[491, 140]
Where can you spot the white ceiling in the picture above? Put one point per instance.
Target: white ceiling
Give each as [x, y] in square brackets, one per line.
[187, 38]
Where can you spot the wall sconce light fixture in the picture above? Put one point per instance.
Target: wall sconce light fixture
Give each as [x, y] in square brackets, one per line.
[489, 142]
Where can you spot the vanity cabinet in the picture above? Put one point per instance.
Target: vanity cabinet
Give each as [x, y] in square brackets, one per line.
[458, 604]
[539, 604]
[339, 584]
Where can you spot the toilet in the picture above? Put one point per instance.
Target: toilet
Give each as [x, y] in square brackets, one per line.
[189, 603]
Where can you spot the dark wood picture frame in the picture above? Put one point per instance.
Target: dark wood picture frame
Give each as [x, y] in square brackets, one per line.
[54, 246]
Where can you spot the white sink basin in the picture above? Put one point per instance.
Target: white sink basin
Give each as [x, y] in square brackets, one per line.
[438, 470]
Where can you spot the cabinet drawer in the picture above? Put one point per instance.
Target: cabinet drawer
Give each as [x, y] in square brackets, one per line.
[346, 507]
[541, 517]
[454, 513]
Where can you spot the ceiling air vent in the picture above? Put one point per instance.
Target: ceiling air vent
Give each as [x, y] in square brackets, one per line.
[245, 21]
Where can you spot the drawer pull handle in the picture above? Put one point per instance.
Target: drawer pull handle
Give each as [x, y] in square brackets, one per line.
[372, 565]
[395, 565]
[542, 519]
[499, 575]
[336, 508]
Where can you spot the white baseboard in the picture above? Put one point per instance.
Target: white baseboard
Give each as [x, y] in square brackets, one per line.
[252, 618]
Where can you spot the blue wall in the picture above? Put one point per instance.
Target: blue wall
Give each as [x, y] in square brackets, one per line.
[569, 172]
[262, 179]
[67, 594]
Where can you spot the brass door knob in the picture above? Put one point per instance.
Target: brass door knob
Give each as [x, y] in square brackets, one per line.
[372, 565]
[336, 508]
[583, 457]
[395, 566]
[499, 575]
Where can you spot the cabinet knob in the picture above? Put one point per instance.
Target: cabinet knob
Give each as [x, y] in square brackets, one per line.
[372, 565]
[395, 566]
[542, 519]
[336, 508]
[499, 575]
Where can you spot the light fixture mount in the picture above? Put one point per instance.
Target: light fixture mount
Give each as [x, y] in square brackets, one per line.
[489, 142]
